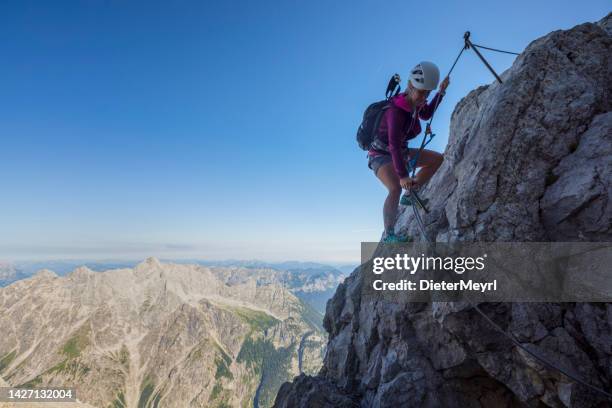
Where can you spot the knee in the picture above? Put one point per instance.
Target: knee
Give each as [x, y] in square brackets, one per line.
[437, 160]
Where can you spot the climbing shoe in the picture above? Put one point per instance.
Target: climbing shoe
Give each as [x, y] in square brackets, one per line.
[406, 200]
[396, 239]
[413, 198]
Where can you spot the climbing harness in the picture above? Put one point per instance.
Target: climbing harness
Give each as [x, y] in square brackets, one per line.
[416, 201]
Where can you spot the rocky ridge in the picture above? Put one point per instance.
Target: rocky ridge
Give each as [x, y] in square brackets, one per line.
[158, 334]
[527, 160]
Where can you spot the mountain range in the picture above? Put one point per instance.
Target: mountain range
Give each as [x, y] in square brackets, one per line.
[158, 335]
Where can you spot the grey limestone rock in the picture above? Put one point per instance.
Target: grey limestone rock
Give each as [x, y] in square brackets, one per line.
[527, 160]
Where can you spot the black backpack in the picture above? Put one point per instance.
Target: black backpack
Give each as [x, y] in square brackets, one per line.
[366, 133]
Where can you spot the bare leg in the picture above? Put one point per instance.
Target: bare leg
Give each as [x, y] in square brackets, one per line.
[389, 178]
[428, 163]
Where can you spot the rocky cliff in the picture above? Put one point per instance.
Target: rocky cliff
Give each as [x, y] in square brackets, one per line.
[527, 160]
[157, 335]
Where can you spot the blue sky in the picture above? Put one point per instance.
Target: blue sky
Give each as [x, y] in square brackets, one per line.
[219, 129]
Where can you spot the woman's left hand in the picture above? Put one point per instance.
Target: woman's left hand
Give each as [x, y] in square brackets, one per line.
[444, 84]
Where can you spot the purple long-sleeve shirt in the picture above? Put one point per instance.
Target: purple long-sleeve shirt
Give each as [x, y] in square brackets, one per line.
[398, 125]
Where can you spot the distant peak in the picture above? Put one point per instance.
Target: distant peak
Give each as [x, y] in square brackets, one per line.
[150, 262]
[81, 271]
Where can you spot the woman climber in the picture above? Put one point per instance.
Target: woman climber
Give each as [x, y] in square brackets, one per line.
[389, 154]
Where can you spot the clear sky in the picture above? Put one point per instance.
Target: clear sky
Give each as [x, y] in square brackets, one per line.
[220, 129]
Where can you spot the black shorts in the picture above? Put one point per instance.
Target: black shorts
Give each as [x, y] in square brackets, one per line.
[376, 162]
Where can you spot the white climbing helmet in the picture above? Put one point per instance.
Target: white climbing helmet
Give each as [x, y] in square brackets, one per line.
[425, 76]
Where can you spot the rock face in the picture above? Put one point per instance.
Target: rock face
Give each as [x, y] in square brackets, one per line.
[527, 160]
[157, 335]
